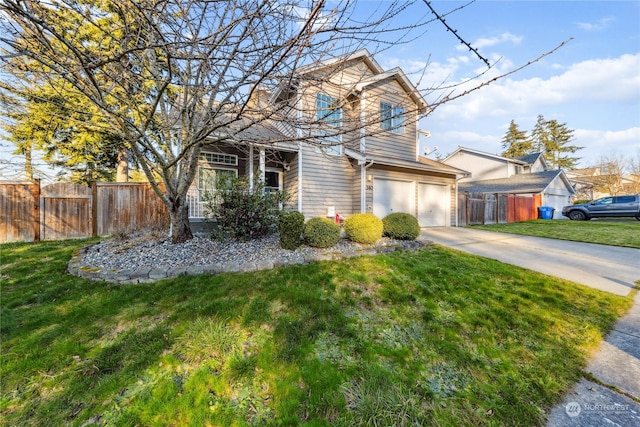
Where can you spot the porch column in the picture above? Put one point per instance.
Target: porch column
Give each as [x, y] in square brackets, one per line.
[250, 167]
[261, 165]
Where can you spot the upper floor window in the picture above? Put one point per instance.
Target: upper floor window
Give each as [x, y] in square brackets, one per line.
[328, 114]
[392, 118]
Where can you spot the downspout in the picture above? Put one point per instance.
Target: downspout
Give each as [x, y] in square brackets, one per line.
[299, 132]
[363, 148]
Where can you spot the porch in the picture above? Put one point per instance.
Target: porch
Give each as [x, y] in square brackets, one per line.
[270, 164]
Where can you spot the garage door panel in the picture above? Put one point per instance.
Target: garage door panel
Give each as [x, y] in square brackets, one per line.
[392, 196]
[433, 203]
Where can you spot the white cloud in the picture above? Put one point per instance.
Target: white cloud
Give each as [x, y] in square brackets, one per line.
[601, 24]
[599, 143]
[484, 42]
[611, 80]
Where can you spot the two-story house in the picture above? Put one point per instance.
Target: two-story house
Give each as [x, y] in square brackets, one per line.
[353, 147]
[524, 176]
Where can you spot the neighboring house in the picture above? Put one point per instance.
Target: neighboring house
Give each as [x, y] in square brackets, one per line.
[584, 181]
[593, 183]
[374, 168]
[491, 166]
[523, 176]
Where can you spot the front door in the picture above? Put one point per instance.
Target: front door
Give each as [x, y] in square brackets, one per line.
[272, 181]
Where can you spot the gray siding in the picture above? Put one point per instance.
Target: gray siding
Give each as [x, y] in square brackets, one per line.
[387, 143]
[290, 185]
[326, 181]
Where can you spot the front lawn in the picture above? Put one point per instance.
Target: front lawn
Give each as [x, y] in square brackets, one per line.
[431, 337]
[615, 232]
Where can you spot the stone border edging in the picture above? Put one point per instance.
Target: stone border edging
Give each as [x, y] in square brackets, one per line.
[78, 268]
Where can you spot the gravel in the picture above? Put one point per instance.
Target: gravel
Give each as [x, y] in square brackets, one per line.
[154, 251]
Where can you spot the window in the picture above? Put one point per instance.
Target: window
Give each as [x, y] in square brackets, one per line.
[327, 114]
[625, 199]
[209, 179]
[605, 201]
[225, 159]
[392, 118]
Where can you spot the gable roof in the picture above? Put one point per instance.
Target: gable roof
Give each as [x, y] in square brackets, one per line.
[379, 74]
[484, 154]
[398, 75]
[524, 183]
[530, 158]
[527, 159]
[362, 55]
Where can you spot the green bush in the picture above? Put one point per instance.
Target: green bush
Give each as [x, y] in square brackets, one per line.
[291, 226]
[401, 226]
[241, 211]
[363, 228]
[321, 233]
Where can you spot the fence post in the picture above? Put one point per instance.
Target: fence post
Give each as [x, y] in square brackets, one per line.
[94, 209]
[35, 191]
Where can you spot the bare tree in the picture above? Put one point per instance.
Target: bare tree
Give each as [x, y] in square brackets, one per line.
[612, 168]
[633, 184]
[172, 76]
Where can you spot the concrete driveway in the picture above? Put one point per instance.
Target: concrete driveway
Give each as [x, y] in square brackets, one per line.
[608, 268]
[613, 398]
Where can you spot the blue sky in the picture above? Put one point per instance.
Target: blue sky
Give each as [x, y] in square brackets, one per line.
[592, 84]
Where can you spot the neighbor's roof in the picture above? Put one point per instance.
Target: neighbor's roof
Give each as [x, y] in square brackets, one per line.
[524, 183]
[529, 158]
[484, 154]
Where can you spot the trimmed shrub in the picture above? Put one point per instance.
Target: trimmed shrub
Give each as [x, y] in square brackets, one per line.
[291, 226]
[363, 228]
[243, 212]
[401, 226]
[321, 233]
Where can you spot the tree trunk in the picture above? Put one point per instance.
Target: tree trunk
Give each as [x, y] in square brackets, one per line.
[122, 169]
[28, 164]
[179, 215]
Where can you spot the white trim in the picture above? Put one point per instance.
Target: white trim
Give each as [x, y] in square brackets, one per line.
[251, 178]
[261, 164]
[299, 132]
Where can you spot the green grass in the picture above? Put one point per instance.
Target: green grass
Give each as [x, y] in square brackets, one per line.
[432, 337]
[614, 232]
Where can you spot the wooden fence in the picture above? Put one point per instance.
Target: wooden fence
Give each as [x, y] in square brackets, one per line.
[63, 211]
[493, 208]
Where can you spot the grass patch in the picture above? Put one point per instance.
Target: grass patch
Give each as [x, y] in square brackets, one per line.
[432, 337]
[614, 232]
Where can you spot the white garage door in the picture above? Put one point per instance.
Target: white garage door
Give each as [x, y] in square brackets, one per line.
[433, 205]
[393, 196]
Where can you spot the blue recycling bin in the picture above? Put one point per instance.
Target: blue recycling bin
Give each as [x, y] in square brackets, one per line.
[545, 212]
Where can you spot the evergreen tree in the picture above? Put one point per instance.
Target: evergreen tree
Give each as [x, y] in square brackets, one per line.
[557, 146]
[553, 139]
[53, 120]
[515, 142]
[539, 135]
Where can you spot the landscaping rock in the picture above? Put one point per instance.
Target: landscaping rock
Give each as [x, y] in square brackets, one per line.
[141, 259]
